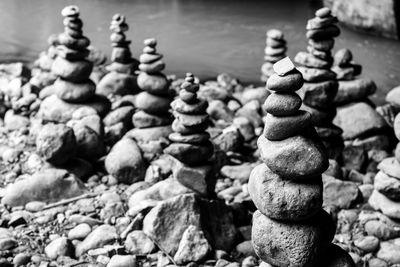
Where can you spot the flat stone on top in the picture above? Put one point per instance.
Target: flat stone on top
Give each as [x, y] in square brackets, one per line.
[283, 66]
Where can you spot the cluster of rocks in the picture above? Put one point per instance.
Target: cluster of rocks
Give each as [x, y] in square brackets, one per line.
[290, 228]
[152, 120]
[121, 79]
[385, 196]
[274, 51]
[320, 85]
[190, 143]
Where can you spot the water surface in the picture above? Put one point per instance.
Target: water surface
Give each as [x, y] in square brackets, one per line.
[205, 37]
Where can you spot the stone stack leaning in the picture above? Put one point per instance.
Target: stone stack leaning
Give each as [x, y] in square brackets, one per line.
[153, 119]
[320, 87]
[121, 80]
[275, 50]
[190, 143]
[386, 195]
[290, 228]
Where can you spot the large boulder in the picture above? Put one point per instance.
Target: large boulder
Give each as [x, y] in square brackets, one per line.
[188, 210]
[359, 120]
[49, 185]
[125, 162]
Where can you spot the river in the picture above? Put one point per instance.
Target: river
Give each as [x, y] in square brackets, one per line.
[205, 37]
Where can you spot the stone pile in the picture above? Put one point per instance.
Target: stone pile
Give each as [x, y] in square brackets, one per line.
[274, 51]
[121, 80]
[73, 88]
[152, 119]
[190, 143]
[290, 228]
[320, 85]
[386, 194]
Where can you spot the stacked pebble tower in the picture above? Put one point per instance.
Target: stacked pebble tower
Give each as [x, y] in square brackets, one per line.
[121, 79]
[320, 86]
[71, 66]
[290, 228]
[190, 143]
[121, 54]
[386, 194]
[275, 50]
[152, 119]
[154, 102]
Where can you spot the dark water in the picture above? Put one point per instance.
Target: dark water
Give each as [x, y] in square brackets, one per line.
[205, 37]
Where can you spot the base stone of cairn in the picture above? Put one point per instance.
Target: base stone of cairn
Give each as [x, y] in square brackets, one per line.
[386, 194]
[152, 120]
[73, 88]
[290, 228]
[121, 80]
[320, 87]
[190, 143]
[275, 50]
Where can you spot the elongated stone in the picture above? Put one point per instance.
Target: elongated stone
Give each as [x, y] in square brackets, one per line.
[195, 139]
[295, 158]
[191, 120]
[282, 104]
[279, 128]
[308, 60]
[291, 82]
[320, 94]
[180, 106]
[292, 244]
[282, 199]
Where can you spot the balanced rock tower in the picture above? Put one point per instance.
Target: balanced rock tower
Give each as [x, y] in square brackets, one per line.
[320, 87]
[121, 80]
[290, 228]
[275, 50]
[152, 119]
[386, 194]
[190, 143]
[73, 89]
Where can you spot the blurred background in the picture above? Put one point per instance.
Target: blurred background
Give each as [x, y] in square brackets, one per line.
[206, 37]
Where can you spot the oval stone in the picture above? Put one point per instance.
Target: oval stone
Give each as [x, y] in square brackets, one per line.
[291, 82]
[155, 83]
[282, 243]
[74, 92]
[196, 108]
[74, 71]
[295, 158]
[282, 199]
[279, 128]
[337, 257]
[153, 104]
[282, 104]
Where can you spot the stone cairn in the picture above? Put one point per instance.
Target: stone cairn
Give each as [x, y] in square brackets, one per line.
[190, 142]
[121, 79]
[73, 70]
[386, 194]
[290, 228]
[152, 119]
[73, 88]
[320, 87]
[275, 50]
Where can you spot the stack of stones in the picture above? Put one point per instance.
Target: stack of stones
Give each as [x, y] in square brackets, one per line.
[190, 142]
[73, 88]
[320, 87]
[386, 194]
[290, 228]
[121, 79]
[275, 50]
[153, 119]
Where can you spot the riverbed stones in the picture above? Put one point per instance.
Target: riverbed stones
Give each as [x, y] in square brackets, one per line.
[290, 228]
[73, 87]
[154, 103]
[121, 80]
[320, 87]
[190, 143]
[274, 51]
